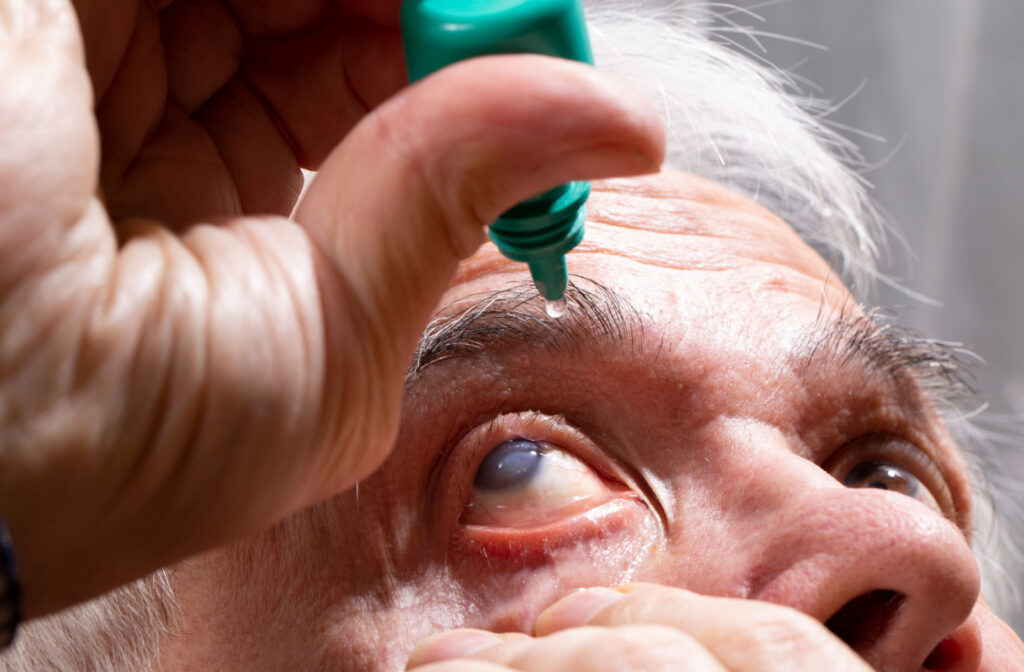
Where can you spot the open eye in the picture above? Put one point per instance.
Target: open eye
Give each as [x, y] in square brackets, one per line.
[523, 483]
[888, 476]
[892, 464]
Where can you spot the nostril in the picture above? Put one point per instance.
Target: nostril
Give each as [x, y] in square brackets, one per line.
[862, 621]
[944, 656]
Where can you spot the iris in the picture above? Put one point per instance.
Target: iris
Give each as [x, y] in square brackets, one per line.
[882, 475]
[513, 464]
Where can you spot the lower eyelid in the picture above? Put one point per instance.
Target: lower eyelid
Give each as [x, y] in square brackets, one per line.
[623, 513]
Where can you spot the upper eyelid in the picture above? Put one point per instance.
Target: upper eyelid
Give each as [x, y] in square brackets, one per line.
[538, 427]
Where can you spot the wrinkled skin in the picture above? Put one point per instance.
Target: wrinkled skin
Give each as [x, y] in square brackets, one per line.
[717, 440]
[181, 365]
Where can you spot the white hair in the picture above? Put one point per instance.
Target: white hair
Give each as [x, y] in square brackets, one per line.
[732, 120]
[118, 632]
[744, 125]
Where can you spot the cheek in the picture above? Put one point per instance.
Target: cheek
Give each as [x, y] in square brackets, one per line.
[509, 578]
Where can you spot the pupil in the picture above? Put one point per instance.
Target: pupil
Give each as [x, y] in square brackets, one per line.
[510, 465]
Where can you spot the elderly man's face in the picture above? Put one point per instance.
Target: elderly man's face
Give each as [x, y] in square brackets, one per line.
[713, 413]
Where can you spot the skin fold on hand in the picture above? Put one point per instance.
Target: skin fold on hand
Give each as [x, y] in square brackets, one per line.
[180, 364]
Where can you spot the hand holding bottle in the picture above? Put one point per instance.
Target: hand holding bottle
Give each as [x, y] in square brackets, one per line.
[180, 363]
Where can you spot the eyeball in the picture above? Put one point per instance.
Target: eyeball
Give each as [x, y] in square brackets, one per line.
[523, 483]
[883, 475]
[888, 476]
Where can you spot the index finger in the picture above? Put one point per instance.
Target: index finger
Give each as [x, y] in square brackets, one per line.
[743, 634]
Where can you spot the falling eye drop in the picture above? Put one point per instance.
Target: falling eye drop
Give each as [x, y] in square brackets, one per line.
[435, 33]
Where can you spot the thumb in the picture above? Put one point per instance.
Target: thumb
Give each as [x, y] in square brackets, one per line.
[409, 192]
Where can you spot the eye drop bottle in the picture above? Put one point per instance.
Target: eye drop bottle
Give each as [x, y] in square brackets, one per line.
[436, 33]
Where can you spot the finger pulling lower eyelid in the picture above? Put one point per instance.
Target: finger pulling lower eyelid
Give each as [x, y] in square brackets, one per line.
[460, 643]
[575, 609]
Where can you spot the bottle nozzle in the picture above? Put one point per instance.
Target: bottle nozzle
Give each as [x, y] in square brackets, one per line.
[550, 277]
[541, 230]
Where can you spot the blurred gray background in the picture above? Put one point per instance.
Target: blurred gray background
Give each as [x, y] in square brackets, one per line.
[939, 87]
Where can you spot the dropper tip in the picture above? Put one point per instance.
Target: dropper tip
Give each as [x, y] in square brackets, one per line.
[551, 280]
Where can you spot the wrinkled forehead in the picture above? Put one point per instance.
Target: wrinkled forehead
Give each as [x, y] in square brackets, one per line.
[659, 239]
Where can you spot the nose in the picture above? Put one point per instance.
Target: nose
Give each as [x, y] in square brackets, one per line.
[890, 577]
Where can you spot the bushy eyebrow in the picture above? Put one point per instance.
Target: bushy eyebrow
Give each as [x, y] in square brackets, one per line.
[872, 341]
[469, 329]
[859, 342]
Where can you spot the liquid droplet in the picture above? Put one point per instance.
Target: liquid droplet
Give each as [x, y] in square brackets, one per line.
[555, 309]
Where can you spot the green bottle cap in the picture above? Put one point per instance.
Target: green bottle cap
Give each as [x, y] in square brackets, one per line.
[436, 33]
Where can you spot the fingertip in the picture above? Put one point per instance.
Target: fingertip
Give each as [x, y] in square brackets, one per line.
[460, 643]
[565, 121]
[575, 609]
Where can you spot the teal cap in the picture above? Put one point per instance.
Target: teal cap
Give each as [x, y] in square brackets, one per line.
[436, 33]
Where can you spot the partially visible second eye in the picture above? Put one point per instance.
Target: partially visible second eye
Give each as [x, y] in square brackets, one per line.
[885, 475]
[523, 483]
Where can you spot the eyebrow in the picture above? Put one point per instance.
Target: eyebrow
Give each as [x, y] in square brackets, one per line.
[869, 342]
[875, 343]
[482, 323]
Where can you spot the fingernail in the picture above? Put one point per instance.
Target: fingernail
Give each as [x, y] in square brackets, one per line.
[575, 609]
[450, 644]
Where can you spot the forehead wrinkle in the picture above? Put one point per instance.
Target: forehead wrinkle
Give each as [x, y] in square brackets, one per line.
[484, 323]
[718, 244]
[668, 223]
